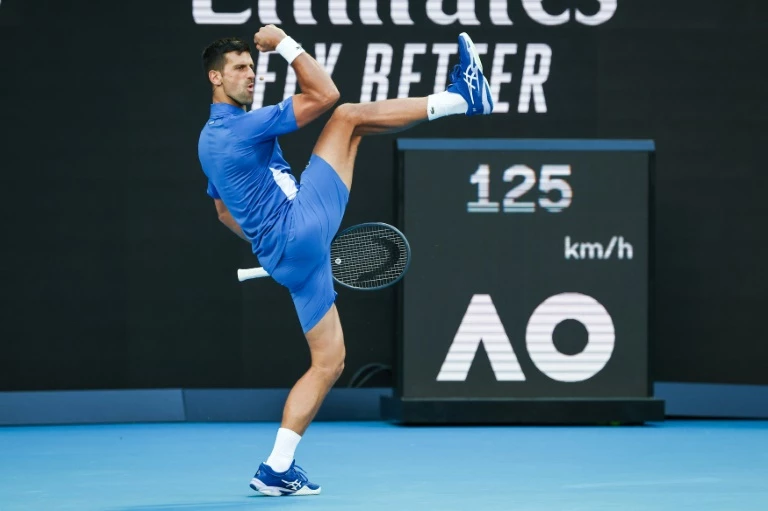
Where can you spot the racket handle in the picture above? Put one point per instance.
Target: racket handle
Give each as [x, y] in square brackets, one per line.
[251, 273]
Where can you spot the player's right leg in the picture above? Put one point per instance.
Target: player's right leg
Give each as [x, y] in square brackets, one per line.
[305, 269]
[279, 475]
[326, 346]
[469, 93]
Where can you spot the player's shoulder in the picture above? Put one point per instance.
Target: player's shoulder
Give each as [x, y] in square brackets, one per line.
[218, 126]
[271, 109]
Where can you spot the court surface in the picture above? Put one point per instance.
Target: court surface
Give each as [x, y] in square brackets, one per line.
[368, 466]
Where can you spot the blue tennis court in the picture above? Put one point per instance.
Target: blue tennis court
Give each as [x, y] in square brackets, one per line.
[675, 465]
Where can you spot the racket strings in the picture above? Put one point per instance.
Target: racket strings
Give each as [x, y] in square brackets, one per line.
[368, 257]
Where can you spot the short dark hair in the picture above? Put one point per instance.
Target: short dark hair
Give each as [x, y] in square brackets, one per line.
[213, 55]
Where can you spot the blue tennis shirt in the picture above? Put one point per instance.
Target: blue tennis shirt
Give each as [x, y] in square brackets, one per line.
[242, 159]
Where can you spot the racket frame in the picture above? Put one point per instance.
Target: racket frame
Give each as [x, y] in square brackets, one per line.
[386, 226]
[244, 274]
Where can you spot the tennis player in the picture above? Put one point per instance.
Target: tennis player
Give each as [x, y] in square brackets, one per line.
[290, 224]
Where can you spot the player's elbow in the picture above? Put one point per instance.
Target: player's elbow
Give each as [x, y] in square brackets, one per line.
[226, 219]
[334, 95]
[329, 98]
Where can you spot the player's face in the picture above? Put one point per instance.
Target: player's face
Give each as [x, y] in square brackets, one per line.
[238, 77]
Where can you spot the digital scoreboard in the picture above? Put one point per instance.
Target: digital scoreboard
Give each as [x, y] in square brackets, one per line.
[528, 294]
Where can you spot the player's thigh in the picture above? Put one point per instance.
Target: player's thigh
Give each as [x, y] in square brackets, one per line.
[313, 295]
[338, 142]
[305, 249]
[322, 198]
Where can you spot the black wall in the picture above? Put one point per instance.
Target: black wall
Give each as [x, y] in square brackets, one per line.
[116, 273]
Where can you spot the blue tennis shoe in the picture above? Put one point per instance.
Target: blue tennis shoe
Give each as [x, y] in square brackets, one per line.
[467, 79]
[293, 481]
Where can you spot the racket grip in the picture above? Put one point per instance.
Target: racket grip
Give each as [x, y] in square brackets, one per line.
[251, 273]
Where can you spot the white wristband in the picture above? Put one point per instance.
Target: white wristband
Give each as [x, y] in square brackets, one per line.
[289, 49]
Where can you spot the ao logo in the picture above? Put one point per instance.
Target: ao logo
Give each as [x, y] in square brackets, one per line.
[481, 324]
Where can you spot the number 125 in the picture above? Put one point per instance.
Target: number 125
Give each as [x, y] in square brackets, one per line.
[550, 180]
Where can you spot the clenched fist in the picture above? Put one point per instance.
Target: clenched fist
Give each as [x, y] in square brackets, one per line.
[268, 37]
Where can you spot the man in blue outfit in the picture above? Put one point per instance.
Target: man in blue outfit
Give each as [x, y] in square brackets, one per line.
[290, 225]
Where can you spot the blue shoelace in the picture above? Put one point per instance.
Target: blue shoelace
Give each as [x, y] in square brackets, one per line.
[456, 73]
[302, 474]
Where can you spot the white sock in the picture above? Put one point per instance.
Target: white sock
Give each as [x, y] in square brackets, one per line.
[285, 447]
[445, 103]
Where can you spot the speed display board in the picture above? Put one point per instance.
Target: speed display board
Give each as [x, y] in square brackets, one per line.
[530, 273]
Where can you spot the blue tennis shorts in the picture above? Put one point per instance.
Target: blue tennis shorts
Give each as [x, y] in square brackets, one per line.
[314, 219]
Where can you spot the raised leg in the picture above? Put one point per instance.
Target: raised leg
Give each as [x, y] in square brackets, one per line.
[350, 122]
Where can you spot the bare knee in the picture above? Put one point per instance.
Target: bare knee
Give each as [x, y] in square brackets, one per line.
[331, 365]
[326, 346]
[338, 369]
[348, 113]
[337, 362]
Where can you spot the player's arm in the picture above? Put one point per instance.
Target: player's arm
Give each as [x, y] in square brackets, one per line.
[318, 92]
[225, 217]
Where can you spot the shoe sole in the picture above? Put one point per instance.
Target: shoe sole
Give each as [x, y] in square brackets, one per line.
[472, 50]
[274, 491]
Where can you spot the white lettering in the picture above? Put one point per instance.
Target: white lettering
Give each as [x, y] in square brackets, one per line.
[498, 76]
[571, 249]
[400, 14]
[481, 325]
[268, 12]
[327, 59]
[591, 250]
[600, 341]
[532, 81]
[398, 10]
[444, 52]
[369, 12]
[263, 76]
[536, 11]
[407, 74]
[302, 12]
[499, 15]
[373, 76]
[202, 12]
[465, 13]
[595, 250]
[290, 83]
[606, 12]
[337, 11]
[625, 249]
[482, 48]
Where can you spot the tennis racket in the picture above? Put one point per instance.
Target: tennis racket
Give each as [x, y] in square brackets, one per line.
[367, 257]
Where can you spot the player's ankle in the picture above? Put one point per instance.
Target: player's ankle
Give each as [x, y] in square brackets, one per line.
[282, 454]
[445, 103]
[279, 464]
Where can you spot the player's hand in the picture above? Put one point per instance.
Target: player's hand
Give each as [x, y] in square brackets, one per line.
[268, 37]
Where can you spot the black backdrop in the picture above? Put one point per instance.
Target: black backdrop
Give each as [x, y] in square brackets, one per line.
[116, 273]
